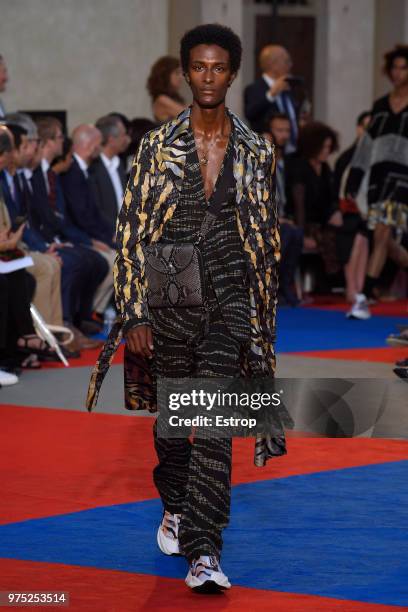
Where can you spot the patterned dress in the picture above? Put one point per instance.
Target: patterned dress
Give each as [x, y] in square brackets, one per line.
[383, 152]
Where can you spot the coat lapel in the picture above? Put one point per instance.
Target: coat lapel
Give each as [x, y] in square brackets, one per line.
[246, 156]
[174, 148]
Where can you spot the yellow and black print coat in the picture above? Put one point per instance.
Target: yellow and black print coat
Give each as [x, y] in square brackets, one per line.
[149, 202]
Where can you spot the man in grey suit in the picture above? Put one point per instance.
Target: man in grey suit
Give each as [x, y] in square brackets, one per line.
[108, 177]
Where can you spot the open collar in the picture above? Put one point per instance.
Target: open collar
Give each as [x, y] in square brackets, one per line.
[179, 127]
[174, 149]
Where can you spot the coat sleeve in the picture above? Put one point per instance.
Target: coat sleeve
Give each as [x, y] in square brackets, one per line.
[133, 227]
[271, 238]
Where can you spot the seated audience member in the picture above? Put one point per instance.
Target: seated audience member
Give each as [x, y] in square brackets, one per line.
[271, 93]
[56, 227]
[126, 123]
[21, 200]
[83, 209]
[352, 239]
[26, 122]
[139, 126]
[17, 333]
[62, 163]
[311, 197]
[107, 171]
[19, 344]
[47, 265]
[291, 235]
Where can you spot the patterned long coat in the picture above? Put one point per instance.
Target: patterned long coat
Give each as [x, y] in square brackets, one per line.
[149, 203]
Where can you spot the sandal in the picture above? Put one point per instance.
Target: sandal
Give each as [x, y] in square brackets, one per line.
[39, 347]
[31, 362]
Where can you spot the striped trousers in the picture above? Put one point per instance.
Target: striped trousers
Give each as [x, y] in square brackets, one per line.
[194, 479]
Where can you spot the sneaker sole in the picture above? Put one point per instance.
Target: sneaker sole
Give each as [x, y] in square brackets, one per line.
[396, 342]
[209, 586]
[358, 318]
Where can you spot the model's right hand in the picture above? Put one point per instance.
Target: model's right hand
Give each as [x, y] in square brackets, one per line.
[139, 340]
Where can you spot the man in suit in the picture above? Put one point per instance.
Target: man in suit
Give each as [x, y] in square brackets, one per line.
[270, 94]
[75, 273]
[3, 83]
[82, 207]
[291, 234]
[47, 265]
[107, 173]
[56, 227]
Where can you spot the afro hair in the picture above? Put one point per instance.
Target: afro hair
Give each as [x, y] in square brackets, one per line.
[211, 34]
[399, 51]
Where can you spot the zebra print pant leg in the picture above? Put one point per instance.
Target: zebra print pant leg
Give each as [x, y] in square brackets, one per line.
[206, 508]
[171, 474]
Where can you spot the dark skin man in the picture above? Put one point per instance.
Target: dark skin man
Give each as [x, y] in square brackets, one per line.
[209, 77]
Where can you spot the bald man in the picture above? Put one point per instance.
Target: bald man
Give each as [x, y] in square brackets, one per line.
[82, 207]
[270, 94]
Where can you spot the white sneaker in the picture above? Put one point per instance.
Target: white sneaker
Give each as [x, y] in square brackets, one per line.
[167, 534]
[359, 309]
[7, 379]
[206, 576]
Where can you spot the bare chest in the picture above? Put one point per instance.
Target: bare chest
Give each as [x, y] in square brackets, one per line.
[211, 154]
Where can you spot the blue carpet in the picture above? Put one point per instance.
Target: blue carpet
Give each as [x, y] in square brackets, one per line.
[309, 329]
[341, 534]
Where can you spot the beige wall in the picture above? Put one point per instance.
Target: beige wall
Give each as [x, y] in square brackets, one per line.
[349, 63]
[86, 56]
[228, 13]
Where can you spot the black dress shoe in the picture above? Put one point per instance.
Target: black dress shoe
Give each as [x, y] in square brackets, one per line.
[403, 363]
[70, 354]
[401, 373]
[90, 328]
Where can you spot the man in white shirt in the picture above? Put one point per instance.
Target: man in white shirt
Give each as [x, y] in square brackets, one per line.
[271, 93]
[107, 173]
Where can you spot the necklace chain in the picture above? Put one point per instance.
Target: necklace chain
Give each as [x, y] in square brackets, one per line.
[204, 158]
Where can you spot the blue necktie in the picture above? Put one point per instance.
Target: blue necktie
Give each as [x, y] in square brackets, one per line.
[18, 194]
[290, 111]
